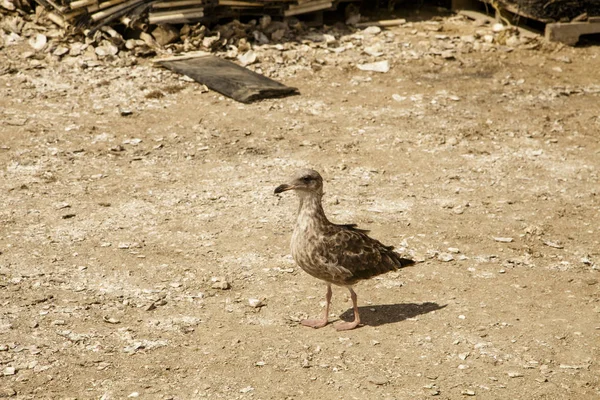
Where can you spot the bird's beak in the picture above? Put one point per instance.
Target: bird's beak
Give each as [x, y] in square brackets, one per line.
[283, 188]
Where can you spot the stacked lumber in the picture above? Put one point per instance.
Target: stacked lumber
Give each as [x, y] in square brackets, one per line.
[93, 14]
[555, 10]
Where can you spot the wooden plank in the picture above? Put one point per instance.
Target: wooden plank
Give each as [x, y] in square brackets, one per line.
[382, 23]
[569, 32]
[228, 78]
[486, 19]
[307, 8]
[176, 16]
[176, 4]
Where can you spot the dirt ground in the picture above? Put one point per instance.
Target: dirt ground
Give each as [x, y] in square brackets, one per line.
[131, 199]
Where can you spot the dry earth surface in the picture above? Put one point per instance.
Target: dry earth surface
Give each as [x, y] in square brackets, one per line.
[144, 254]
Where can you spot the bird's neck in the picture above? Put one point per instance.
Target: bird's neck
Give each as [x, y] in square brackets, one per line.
[310, 212]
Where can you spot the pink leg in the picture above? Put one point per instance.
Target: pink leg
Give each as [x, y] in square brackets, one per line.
[346, 326]
[319, 323]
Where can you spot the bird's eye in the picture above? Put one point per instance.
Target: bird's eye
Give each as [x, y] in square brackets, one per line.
[306, 179]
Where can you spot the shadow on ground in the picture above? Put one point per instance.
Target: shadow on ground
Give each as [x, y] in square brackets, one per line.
[390, 313]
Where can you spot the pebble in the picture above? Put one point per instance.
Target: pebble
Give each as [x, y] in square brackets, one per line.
[445, 257]
[586, 261]
[372, 30]
[255, 303]
[468, 392]
[514, 374]
[111, 320]
[503, 239]
[553, 244]
[220, 283]
[38, 42]
[498, 27]
[379, 66]
[247, 58]
[9, 371]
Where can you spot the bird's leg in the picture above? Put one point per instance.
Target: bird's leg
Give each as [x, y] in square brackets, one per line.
[319, 323]
[345, 326]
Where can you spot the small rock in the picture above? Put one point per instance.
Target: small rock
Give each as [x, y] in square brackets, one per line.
[503, 239]
[555, 245]
[111, 320]
[445, 257]
[374, 51]
[76, 49]
[58, 322]
[379, 66]
[514, 374]
[125, 112]
[134, 394]
[468, 392]
[246, 389]
[458, 210]
[260, 37]
[9, 371]
[62, 205]
[247, 58]
[220, 283]
[165, 34]
[255, 303]
[60, 51]
[106, 49]
[372, 30]
[513, 41]
[157, 303]
[586, 261]
[463, 356]
[38, 42]
[398, 98]
[453, 250]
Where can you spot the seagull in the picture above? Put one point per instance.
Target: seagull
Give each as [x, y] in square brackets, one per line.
[340, 255]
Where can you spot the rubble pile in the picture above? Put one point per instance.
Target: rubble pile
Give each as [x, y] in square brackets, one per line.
[556, 10]
[94, 14]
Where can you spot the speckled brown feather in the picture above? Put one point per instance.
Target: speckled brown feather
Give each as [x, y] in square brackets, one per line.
[338, 254]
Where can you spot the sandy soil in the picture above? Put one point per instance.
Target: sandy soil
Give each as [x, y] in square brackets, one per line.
[119, 233]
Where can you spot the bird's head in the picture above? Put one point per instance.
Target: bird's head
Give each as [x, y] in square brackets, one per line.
[304, 182]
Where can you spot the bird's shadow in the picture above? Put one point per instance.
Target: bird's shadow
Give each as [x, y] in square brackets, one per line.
[390, 313]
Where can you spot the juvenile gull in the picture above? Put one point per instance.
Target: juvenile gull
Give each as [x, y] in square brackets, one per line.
[337, 254]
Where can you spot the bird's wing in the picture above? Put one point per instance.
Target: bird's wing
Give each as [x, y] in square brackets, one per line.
[358, 255]
[353, 227]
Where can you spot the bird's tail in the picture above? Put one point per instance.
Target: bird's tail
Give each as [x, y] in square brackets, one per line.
[405, 262]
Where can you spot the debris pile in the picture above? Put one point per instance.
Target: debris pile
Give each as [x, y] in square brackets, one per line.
[93, 14]
[556, 10]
